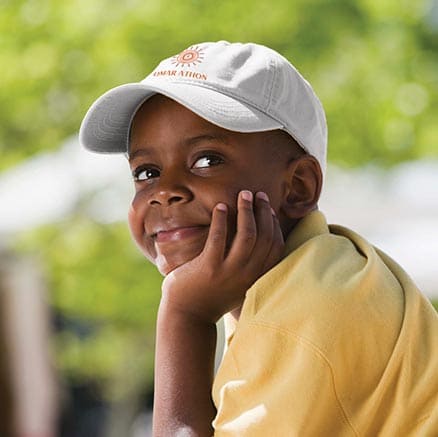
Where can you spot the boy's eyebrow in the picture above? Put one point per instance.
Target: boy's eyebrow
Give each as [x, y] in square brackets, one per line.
[138, 152]
[187, 142]
[206, 137]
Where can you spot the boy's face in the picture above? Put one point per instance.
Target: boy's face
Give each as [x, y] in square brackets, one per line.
[183, 166]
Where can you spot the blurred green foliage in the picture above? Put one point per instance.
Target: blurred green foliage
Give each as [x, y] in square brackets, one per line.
[106, 295]
[373, 63]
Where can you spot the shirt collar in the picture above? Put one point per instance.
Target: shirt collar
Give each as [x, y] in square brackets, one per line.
[310, 226]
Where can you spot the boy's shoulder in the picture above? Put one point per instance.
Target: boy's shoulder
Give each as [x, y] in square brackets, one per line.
[327, 267]
[332, 286]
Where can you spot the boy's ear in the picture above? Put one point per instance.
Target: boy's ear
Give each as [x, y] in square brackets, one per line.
[303, 187]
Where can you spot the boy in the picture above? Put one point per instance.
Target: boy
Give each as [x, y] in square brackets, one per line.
[326, 334]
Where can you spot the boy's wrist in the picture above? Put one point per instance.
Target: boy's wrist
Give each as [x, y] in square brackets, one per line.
[171, 308]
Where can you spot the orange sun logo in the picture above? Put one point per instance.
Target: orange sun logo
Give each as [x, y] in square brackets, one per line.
[189, 57]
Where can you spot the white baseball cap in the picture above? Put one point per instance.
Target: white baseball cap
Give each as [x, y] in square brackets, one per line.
[239, 87]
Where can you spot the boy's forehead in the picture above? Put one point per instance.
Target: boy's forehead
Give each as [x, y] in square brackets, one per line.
[160, 116]
[160, 106]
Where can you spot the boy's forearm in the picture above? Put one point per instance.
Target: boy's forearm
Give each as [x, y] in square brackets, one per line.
[184, 371]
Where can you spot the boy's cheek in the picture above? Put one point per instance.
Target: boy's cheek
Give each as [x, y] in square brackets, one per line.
[137, 232]
[146, 248]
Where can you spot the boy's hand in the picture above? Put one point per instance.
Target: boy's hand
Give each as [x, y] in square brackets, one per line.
[216, 281]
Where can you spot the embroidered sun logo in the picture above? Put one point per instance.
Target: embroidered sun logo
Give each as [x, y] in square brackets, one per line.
[189, 57]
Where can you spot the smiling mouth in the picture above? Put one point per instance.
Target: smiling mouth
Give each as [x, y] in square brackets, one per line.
[178, 234]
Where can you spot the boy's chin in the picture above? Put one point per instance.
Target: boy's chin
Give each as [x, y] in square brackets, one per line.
[166, 265]
[163, 266]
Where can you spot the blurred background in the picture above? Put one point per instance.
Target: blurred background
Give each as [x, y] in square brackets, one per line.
[77, 302]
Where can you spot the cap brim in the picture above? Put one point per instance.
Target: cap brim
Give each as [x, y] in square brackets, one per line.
[105, 128]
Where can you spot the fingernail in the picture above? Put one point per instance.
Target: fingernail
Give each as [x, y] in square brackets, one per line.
[263, 196]
[246, 195]
[273, 212]
[221, 207]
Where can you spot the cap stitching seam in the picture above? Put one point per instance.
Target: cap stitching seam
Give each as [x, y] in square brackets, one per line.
[272, 66]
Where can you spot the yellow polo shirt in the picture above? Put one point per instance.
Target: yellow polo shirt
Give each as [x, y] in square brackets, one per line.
[335, 340]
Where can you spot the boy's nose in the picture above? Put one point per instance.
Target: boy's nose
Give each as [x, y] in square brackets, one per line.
[169, 196]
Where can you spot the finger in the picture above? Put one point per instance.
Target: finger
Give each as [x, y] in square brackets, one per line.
[277, 247]
[265, 227]
[215, 245]
[246, 231]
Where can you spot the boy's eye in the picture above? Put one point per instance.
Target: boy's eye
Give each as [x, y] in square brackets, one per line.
[207, 161]
[145, 173]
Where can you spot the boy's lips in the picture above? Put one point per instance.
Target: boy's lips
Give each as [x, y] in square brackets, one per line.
[178, 233]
